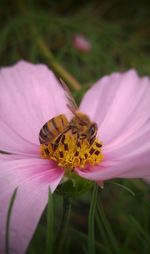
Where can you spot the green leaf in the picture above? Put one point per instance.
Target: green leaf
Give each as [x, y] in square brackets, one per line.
[50, 225]
[12, 200]
[74, 186]
[91, 240]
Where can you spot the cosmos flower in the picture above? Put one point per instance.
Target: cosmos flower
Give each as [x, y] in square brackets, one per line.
[81, 43]
[30, 96]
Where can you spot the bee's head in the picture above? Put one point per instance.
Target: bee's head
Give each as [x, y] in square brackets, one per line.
[87, 128]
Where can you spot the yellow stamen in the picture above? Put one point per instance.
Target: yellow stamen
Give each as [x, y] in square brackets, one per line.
[73, 153]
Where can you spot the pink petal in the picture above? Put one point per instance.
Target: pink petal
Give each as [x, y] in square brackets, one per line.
[121, 109]
[29, 97]
[15, 143]
[33, 177]
[120, 104]
[135, 167]
[131, 160]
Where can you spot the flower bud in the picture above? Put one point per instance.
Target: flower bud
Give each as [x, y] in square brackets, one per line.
[81, 43]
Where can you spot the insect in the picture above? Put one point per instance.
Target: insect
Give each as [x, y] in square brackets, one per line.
[55, 129]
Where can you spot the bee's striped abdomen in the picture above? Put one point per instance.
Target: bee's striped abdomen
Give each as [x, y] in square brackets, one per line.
[45, 134]
[52, 128]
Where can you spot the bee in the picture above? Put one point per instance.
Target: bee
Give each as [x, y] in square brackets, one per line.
[55, 129]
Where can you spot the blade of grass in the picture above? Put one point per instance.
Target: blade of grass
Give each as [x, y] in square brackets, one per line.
[84, 238]
[106, 224]
[139, 229]
[91, 242]
[129, 238]
[50, 225]
[12, 200]
[103, 232]
[60, 240]
[141, 234]
[123, 187]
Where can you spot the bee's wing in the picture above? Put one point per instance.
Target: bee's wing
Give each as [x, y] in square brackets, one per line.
[71, 104]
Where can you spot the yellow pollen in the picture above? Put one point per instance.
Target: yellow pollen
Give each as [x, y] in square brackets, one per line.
[72, 153]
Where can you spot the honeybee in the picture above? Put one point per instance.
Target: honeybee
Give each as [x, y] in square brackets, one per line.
[55, 129]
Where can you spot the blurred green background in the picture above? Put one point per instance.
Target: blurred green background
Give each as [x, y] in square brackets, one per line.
[119, 33]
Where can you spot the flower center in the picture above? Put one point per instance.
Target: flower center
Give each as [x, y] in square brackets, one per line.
[72, 152]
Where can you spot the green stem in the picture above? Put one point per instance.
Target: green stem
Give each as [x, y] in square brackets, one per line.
[56, 67]
[91, 236]
[45, 51]
[50, 224]
[12, 200]
[64, 225]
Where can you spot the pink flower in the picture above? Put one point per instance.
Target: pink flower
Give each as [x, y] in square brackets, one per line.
[30, 96]
[81, 43]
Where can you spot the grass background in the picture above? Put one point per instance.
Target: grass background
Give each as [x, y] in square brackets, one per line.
[119, 34]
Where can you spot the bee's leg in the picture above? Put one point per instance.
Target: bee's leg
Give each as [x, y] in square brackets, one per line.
[78, 140]
[91, 141]
[60, 138]
[74, 131]
[83, 136]
[56, 143]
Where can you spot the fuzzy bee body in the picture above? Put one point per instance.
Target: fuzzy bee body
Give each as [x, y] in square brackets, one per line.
[80, 125]
[56, 128]
[53, 128]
